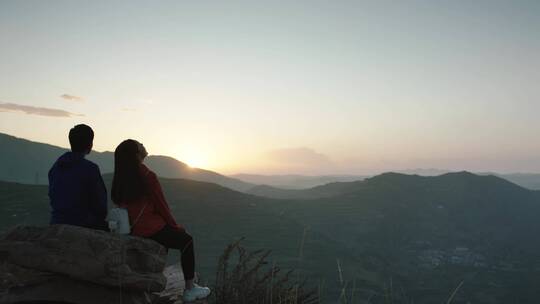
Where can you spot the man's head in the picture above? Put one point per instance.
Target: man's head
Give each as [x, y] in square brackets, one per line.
[81, 138]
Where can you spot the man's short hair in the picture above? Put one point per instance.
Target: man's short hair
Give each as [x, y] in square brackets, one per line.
[80, 138]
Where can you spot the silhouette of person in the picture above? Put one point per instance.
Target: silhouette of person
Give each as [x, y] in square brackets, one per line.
[137, 189]
[76, 190]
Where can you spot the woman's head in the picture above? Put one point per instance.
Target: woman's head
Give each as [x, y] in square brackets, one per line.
[130, 150]
[128, 182]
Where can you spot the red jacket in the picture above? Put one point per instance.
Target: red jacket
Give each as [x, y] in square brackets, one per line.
[156, 214]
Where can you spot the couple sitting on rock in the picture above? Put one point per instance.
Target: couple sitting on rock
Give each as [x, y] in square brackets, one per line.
[78, 197]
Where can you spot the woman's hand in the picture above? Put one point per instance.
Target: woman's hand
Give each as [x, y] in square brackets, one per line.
[179, 227]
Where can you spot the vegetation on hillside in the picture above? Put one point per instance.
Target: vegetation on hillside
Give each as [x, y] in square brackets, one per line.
[246, 277]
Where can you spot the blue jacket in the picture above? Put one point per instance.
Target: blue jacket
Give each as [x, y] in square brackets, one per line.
[77, 193]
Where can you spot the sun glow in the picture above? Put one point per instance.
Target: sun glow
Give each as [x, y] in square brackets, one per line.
[194, 159]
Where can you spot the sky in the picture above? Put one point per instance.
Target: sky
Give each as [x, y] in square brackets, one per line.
[281, 87]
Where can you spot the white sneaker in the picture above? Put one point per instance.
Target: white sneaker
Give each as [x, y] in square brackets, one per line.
[196, 293]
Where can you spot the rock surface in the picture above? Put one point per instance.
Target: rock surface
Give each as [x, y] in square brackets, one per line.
[21, 285]
[88, 255]
[68, 264]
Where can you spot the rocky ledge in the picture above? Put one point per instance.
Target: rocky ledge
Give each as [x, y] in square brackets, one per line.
[70, 264]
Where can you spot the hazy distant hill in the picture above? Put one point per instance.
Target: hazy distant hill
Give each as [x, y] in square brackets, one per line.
[527, 180]
[28, 162]
[327, 190]
[277, 183]
[296, 181]
[335, 188]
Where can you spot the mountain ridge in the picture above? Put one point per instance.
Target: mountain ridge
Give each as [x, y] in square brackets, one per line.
[337, 189]
[29, 162]
[295, 181]
[299, 182]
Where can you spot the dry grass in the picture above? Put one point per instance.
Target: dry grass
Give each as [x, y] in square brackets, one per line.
[250, 280]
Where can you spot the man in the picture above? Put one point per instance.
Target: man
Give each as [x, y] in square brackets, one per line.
[76, 189]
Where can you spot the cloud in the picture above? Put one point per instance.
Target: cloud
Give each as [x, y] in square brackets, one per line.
[129, 110]
[71, 97]
[299, 157]
[13, 107]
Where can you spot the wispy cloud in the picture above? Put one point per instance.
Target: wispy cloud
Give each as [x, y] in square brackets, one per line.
[31, 110]
[70, 97]
[129, 109]
[299, 156]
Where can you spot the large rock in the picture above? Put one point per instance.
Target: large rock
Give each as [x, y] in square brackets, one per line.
[22, 285]
[87, 255]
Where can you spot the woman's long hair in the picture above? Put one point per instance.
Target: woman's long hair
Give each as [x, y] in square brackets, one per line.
[128, 183]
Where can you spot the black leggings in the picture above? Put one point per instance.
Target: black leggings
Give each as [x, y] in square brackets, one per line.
[181, 240]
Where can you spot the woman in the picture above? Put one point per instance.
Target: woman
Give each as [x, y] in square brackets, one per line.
[137, 188]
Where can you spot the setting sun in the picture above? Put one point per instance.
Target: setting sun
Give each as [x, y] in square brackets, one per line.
[194, 159]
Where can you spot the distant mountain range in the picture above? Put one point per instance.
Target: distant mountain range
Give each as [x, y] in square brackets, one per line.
[332, 190]
[295, 181]
[278, 186]
[324, 191]
[28, 162]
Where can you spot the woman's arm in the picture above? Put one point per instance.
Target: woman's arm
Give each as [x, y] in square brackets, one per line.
[161, 204]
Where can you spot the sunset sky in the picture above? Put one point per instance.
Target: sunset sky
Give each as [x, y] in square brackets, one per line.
[310, 87]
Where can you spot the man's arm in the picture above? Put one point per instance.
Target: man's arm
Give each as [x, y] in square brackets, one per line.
[98, 204]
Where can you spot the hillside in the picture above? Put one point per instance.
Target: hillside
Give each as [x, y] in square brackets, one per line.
[461, 225]
[216, 216]
[29, 162]
[464, 206]
[423, 235]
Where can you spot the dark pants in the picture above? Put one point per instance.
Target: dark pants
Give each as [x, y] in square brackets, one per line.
[182, 241]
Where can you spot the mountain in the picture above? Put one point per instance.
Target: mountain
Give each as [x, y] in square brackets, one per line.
[327, 190]
[455, 198]
[295, 181]
[286, 182]
[529, 181]
[434, 232]
[28, 162]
